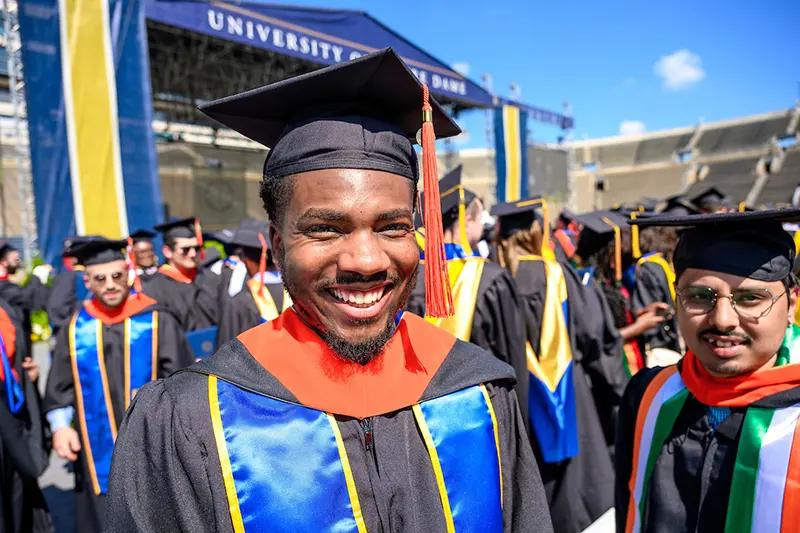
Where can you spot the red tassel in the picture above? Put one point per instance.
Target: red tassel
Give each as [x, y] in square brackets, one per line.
[198, 232]
[439, 300]
[137, 283]
[262, 263]
[68, 263]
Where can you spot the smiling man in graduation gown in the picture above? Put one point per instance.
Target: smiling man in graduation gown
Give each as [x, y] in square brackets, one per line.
[114, 345]
[144, 257]
[713, 443]
[575, 373]
[263, 297]
[488, 310]
[189, 292]
[68, 289]
[339, 415]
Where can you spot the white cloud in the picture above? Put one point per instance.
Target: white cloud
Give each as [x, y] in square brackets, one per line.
[680, 69]
[462, 68]
[462, 138]
[631, 127]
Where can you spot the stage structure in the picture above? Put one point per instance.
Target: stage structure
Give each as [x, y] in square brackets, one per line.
[162, 59]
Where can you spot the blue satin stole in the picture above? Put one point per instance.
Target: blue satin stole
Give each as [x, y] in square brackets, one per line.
[14, 395]
[203, 341]
[95, 406]
[285, 466]
[452, 250]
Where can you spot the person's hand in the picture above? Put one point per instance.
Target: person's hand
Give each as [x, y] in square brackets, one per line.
[67, 443]
[43, 273]
[651, 316]
[32, 367]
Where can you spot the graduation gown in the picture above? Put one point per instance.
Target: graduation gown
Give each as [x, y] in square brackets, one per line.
[652, 286]
[67, 293]
[196, 303]
[24, 446]
[241, 313]
[694, 474]
[25, 300]
[497, 323]
[579, 488]
[173, 454]
[173, 353]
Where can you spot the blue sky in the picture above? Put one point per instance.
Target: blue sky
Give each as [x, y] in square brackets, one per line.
[654, 65]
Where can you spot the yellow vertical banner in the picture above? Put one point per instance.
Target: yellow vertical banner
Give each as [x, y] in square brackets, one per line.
[90, 103]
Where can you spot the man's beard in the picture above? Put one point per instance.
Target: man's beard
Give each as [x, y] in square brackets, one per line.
[361, 352]
[11, 270]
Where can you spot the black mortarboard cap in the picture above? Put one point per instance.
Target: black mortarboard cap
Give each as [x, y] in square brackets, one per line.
[247, 233]
[450, 188]
[183, 228]
[516, 216]
[710, 198]
[679, 206]
[596, 231]
[142, 235]
[751, 244]
[100, 250]
[360, 114]
[567, 215]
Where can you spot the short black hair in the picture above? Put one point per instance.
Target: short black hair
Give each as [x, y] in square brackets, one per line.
[170, 242]
[276, 193]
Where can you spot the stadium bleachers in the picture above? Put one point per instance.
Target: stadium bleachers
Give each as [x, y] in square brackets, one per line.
[735, 178]
[725, 154]
[782, 183]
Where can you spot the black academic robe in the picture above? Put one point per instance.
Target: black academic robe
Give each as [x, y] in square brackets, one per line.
[174, 353]
[196, 304]
[691, 482]
[63, 301]
[25, 300]
[24, 447]
[240, 313]
[166, 474]
[652, 286]
[498, 324]
[579, 489]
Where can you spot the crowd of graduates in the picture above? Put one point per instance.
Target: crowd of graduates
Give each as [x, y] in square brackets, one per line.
[294, 424]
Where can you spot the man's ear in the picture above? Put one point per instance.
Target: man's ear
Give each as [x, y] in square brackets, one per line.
[276, 245]
[793, 296]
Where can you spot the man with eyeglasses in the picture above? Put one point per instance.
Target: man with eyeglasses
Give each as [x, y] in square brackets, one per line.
[115, 343]
[190, 292]
[713, 443]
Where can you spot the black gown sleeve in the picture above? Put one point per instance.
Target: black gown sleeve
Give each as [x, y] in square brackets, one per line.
[158, 479]
[62, 302]
[652, 286]
[206, 300]
[498, 326]
[24, 435]
[168, 294]
[239, 315]
[60, 391]
[173, 348]
[601, 350]
[31, 297]
[524, 501]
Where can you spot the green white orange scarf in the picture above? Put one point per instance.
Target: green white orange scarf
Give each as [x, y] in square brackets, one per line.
[765, 488]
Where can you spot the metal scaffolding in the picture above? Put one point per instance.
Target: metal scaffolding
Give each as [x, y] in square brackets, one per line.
[21, 152]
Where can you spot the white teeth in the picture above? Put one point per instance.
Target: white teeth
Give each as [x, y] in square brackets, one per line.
[358, 297]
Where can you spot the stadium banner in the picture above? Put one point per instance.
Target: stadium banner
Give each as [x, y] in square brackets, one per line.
[321, 36]
[511, 152]
[89, 119]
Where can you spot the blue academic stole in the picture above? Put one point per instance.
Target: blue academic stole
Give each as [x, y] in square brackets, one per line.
[551, 399]
[300, 479]
[13, 390]
[95, 406]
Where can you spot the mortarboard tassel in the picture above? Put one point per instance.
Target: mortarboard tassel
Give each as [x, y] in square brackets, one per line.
[137, 283]
[439, 300]
[198, 232]
[637, 252]
[262, 263]
[617, 248]
[68, 264]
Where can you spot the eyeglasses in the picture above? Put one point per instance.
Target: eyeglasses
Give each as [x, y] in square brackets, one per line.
[748, 303]
[186, 249]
